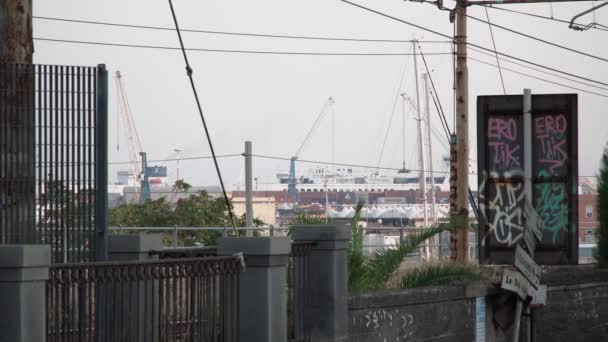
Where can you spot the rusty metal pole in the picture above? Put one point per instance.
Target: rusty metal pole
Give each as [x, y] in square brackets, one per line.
[462, 134]
[17, 189]
[16, 44]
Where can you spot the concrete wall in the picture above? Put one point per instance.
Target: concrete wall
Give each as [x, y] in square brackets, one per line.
[427, 314]
[264, 208]
[577, 310]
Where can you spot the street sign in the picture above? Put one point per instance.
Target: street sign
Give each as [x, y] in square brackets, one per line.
[534, 222]
[539, 296]
[480, 319]
[527, 266]
[515, 282]
[529, 240]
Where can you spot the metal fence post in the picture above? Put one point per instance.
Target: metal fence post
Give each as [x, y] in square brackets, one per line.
[101, 162]
[174, 236]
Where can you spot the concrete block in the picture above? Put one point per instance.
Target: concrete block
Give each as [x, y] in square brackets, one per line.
[24, 270]
[262, 287]
[321, 232]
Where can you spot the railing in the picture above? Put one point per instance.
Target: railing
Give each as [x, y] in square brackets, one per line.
[298, 283]
[193, 299]
[185, 252]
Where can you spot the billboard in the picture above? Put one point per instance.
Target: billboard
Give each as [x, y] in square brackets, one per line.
[156, 171]
[500, 149]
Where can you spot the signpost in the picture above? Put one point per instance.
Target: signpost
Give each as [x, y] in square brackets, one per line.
[526, 265]
[515, 282]
[525, 279]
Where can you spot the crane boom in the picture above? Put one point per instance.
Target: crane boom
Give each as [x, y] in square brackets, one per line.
[291, 186]
[134, 145]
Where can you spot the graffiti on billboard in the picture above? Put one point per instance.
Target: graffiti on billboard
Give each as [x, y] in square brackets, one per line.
[505, 151]
[550, 145]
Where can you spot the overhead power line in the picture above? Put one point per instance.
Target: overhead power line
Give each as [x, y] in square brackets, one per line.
[502, 80]
[544, 41]
[539, 78]
[343, 164]
[538, 70]
[471, 44]
[177, 159]
[537, 16]
[260, 35]
[200, 111]
[302, 53]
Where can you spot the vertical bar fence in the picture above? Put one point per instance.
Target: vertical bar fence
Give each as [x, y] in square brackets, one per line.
[53, 137]
[190, 299]
[298, 285]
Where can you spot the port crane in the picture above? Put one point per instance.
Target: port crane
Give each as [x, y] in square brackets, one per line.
[139, 173]
[292, 181]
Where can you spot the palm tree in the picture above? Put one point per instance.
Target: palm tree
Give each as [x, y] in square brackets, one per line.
[372, 273]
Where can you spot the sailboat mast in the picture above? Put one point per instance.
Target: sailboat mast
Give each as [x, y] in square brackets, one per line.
[422, 179]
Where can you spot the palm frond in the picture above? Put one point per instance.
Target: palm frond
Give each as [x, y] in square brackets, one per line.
[307, 219]
[434, 274]
[356, 260]
[379, 267]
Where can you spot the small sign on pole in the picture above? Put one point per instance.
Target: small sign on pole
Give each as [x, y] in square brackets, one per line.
[534, 222]
[527, 266]
[515, 282]
[539, 296]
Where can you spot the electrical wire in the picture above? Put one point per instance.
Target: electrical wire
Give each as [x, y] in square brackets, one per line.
[304, 53]
[471, 44]
[536, 38]
[538, 70]
[160, 47]
[540, 79]
[536, 16]
[176, 159]
[105, 23]
[200, 111]
[342, 164]
[502, 80]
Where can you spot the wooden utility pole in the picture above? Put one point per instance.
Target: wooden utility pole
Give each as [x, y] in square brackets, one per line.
[17, 190]
[16, 45]
[461, 236]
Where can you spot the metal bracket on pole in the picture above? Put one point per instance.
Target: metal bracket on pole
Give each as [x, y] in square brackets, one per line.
[588, 26]
[174, 237]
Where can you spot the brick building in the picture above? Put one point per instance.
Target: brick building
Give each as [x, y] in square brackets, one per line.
[587, 211]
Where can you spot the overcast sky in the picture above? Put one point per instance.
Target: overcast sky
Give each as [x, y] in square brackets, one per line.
[273, 100]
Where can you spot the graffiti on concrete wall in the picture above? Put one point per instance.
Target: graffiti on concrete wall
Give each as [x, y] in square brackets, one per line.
[391, 323]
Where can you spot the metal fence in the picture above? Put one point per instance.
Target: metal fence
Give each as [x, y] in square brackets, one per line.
[298, 285]
[53, 155]
[185, 252]
[191, 299]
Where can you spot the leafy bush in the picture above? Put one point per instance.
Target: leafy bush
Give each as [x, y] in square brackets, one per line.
[602, 205]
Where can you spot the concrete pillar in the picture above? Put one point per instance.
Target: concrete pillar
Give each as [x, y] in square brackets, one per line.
[24, 270]
[262, 287]
[139, 297]
[326, 313]
[135, 247]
